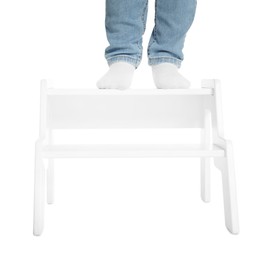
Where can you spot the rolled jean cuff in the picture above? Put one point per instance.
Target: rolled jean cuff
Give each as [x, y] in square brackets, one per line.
[158, 60]
[124, 58]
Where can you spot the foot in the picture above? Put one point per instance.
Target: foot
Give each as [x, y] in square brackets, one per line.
[119, 76]
[166, 76]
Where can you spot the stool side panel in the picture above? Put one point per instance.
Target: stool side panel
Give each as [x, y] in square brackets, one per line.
[95, 111]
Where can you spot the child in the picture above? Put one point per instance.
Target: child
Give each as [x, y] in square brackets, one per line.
[125, 24]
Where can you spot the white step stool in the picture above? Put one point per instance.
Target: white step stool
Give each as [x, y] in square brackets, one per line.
[155, 108]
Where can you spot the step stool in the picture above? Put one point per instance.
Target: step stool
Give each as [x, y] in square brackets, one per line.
[154, 108]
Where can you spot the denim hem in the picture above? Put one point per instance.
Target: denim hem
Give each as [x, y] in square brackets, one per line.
[126, 58]
[164, 59]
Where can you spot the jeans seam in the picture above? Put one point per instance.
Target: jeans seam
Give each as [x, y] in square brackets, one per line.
[155, 21]
[163, 59]
[143, 15]
[154, 36]
[122, 56]
[127, 58]
[144, 27]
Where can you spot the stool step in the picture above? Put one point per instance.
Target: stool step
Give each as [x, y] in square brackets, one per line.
[131, 150]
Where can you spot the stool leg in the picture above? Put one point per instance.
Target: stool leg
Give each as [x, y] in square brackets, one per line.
[50, 175]
[50, 182]
[226, 165]
[39, 194]
[205, 180]
[206, 141]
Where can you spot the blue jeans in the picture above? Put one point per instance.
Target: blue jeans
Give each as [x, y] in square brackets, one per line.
[125, 24]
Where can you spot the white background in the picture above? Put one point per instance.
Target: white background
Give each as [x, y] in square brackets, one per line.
[129, 208]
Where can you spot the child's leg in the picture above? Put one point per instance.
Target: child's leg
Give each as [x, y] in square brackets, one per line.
[125, 25]
[172, 22]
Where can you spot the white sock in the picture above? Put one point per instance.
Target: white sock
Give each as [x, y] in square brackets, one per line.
[119, 76]
[166, 76]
